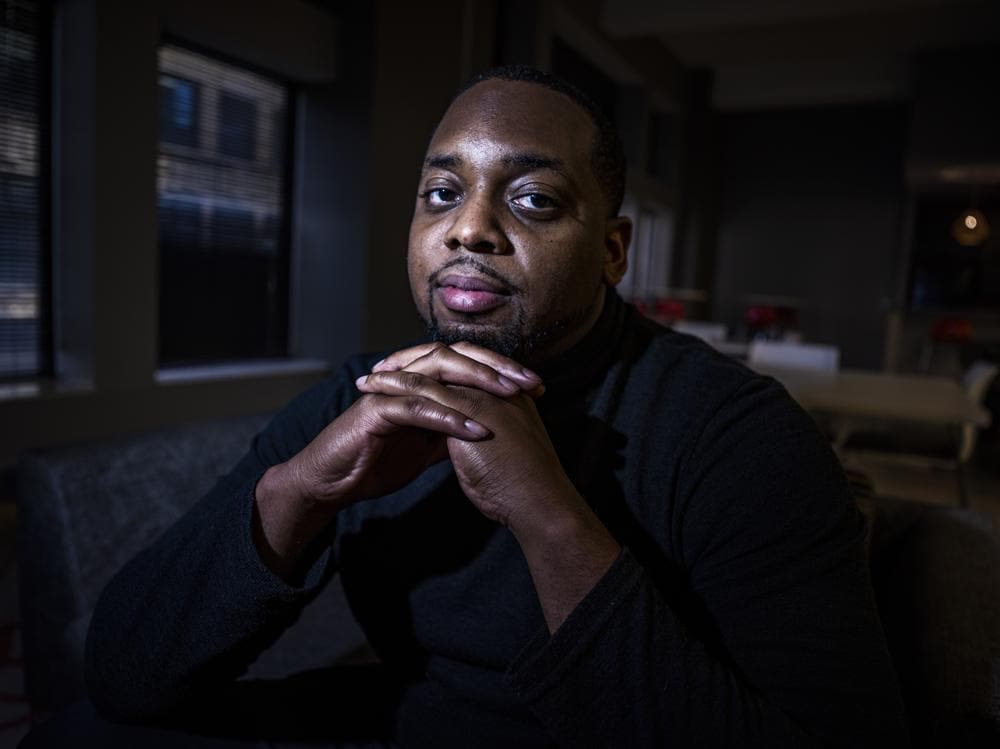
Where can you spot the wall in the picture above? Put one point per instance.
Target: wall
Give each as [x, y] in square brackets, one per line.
[106, 256]
[811, 207]
[374, 84]
[414, 81]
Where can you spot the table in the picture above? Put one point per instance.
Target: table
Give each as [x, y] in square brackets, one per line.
[882, 395]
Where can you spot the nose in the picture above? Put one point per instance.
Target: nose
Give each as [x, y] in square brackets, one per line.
[476, 227]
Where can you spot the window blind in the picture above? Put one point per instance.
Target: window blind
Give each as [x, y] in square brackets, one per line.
[23, 70]
[222, 195]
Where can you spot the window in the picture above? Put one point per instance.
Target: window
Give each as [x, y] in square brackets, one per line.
[237, 126]
[222, 185]
[944, 274]
[24, 341]
[179, 111]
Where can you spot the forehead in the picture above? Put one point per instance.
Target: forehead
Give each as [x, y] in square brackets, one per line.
[517, 116]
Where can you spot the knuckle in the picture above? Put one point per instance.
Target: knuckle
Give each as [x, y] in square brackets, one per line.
[414, 405]
[473, 401]
[410, 381]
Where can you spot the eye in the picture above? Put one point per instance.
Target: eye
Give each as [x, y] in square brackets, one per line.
[439, 197]
[535, 202]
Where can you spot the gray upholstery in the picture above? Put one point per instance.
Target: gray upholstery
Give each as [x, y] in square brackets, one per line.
[85, 511]
[936, 572]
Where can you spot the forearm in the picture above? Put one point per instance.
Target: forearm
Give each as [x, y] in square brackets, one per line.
[189, 614]
[626, 669]
[567, 555]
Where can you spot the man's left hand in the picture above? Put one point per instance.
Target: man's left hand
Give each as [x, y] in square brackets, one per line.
[513, 477]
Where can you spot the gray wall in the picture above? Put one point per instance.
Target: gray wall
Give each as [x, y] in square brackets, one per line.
[811, 207]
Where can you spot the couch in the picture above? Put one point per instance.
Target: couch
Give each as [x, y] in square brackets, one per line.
[84, 511]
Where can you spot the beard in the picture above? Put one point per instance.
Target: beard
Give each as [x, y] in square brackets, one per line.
[515, 339]
[519, 337]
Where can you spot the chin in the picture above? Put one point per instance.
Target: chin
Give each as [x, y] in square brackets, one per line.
[504, 340]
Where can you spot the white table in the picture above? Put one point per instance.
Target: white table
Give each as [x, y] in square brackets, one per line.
[860, 393]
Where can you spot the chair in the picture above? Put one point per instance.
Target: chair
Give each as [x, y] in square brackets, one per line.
[936, 575]
[787, 355]
[928, 449]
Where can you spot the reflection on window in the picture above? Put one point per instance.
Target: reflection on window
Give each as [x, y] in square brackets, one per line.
[178, 111]
[221, 186]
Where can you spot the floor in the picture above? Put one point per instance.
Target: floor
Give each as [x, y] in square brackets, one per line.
[919, 485]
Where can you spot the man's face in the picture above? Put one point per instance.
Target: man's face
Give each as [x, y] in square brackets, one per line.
[510, 244]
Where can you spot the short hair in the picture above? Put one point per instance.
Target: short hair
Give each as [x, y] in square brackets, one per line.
[607, 156]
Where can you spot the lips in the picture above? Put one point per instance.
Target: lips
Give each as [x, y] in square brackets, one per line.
[470, 294]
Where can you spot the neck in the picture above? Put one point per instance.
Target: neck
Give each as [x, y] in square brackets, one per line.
[578, 329]
[575, 366]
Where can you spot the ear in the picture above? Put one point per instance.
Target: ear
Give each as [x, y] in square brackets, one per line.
[617, 236]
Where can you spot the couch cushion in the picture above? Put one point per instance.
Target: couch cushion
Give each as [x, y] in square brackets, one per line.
[83, 512]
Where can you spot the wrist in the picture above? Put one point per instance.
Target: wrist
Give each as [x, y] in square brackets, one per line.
[568, 552]
[286, 519]
[562, 521]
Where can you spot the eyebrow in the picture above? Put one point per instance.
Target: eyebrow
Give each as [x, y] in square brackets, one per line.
[525, 160]
[446, 161]
[534, 161]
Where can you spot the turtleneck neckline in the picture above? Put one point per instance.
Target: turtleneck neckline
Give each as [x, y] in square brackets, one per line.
[573, 371]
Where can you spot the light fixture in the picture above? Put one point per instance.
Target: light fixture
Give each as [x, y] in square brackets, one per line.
[971, 228]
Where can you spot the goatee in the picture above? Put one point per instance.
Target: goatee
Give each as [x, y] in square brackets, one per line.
[512, 339]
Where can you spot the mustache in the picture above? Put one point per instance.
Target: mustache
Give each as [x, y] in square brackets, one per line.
[478, 266]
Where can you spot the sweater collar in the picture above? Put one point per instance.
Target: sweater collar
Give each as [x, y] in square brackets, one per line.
[574, 371]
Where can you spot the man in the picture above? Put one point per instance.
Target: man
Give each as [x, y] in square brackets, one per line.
[558, 523]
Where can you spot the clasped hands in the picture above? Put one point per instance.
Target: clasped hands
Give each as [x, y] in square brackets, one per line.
[422, 405]
[430, 402]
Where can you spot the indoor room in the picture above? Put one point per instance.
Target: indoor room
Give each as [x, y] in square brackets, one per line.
[205, 211]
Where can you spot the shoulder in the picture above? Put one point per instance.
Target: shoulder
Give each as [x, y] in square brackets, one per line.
[680, 377]
[737, 442]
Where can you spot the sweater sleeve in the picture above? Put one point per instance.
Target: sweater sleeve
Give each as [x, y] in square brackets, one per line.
[786, 648]
[190, 613]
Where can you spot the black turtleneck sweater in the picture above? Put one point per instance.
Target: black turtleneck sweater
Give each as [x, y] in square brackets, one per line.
[739, 612]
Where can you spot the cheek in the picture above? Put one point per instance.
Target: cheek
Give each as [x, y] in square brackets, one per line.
[570, 255]
[417, 268]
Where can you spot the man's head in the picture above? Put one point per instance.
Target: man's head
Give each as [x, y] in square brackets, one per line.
[515, 235]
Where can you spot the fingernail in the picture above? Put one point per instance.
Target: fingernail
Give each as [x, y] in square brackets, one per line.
[530, 375]
[476, 428]
[361, 380]
[377, 364]
[508, 383]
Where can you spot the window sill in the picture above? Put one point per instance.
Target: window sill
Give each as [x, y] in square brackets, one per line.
[239, 370]
[35, 389]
